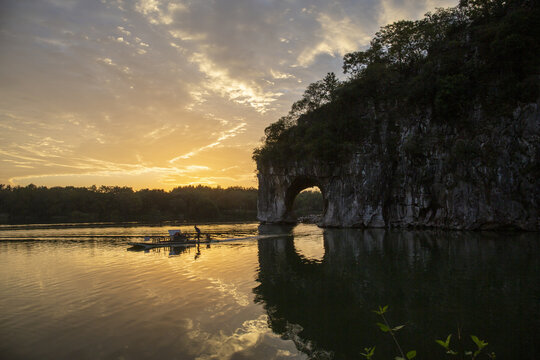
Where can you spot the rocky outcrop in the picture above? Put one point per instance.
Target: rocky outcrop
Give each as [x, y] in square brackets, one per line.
[421, 175]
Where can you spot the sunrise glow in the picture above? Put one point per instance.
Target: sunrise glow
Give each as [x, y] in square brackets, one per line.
[159, 94]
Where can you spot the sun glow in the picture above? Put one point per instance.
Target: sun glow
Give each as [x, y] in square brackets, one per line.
[157, 94]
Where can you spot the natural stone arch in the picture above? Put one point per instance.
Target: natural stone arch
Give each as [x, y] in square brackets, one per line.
[299, 184]
[278, 187]
[348, 200]
[381, 183]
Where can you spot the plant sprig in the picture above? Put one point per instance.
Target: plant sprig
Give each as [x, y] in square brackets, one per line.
[391, 330]
[480, 345]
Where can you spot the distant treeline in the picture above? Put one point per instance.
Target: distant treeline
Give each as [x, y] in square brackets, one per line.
[33, 204]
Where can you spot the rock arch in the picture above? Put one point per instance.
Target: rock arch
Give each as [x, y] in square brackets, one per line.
[372, 190]
[278, 187]
[297, 185]
[348, 202]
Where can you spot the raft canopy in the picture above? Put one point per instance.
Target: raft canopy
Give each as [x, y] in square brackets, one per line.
[174, 232]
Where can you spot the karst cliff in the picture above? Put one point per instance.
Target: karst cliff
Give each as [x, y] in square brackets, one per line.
[437, 125]
[489, 181]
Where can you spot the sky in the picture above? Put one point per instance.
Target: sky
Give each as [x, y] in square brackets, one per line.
[160, 94]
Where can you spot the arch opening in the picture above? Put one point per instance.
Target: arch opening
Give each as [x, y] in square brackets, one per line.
[305, 201]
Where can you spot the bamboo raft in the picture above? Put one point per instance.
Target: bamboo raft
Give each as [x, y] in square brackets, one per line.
[175, 239]
[152, 242]
[160, 244]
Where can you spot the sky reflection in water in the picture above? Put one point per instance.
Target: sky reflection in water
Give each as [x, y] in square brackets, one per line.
[79, 294]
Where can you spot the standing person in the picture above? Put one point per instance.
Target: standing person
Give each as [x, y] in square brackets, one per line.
[198, 233]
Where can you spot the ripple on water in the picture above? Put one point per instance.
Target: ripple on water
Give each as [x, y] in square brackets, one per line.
[81, 294]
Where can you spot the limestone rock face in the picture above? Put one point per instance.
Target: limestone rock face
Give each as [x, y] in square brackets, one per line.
[433, 176]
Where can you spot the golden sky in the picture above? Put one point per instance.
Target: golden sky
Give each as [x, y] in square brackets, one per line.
[159, 94]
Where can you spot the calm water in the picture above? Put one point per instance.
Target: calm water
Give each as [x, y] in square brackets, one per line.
[81, 293]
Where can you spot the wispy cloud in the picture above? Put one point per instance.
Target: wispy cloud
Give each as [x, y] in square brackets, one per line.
[155, 93]
[103, 170]
[221, 82]
[224, 136]
[338, 36]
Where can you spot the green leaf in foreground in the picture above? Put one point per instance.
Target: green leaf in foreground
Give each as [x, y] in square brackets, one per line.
[445, 344]
[411, 354]
[480, 343]
[381, 310]
[369, 352]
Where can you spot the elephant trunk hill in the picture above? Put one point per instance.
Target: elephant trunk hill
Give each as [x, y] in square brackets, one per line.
[438, 125]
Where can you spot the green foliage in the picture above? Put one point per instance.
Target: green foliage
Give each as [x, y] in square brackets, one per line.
[383, 327]
[410, 355]
[316, 95]
[479, 53]
[386, 328]
[369, 353]
[445, 344]
[32, 204]
[381, 310]
[308, 203]
[480, 345]
[452, 98]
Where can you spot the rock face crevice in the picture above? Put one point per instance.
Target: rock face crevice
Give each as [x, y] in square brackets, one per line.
[429, 176]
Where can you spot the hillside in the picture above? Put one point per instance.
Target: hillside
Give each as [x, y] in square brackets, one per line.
[436, 125]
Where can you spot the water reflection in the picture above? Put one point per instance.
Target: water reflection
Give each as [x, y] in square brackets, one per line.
[487, 284]
[173, 251]
[87, 299]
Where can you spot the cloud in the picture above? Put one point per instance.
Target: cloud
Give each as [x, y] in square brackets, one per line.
[110, 62]
[280, 75]
[338, 36]
[106, 173]
[91, 90]
[224, 136]
[253, 339]
[159, 12]
[394, 10]
[221, 82]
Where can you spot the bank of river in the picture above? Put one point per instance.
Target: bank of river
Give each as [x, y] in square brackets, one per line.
[78, 292]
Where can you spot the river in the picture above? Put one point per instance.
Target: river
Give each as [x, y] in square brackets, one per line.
[283, 293]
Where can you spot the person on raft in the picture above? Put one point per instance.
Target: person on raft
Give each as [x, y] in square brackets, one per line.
[198, 233]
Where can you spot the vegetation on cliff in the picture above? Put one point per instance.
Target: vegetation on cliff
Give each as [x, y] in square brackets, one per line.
[480, 56]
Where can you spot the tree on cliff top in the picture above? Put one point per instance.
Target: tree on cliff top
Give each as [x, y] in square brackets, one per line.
[481, 53]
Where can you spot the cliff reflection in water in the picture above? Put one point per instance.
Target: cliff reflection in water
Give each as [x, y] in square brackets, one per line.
[436, 283]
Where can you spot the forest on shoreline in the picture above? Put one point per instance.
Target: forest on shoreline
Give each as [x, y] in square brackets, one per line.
[38, 204]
